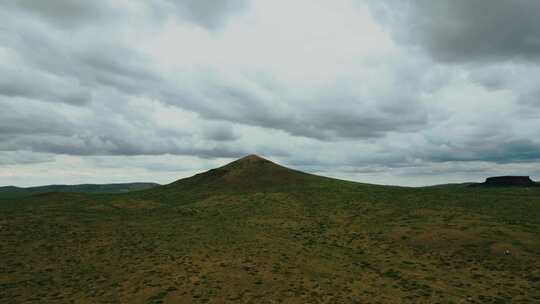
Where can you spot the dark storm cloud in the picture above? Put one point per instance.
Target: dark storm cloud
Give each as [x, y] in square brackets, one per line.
[468, 30]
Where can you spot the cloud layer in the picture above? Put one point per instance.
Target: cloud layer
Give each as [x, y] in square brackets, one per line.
[468, 31]
[379, 91]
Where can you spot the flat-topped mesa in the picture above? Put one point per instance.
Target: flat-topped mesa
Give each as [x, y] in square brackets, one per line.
[509, 181]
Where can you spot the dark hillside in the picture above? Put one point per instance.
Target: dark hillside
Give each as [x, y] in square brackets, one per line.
[251, 173]
[246, 175]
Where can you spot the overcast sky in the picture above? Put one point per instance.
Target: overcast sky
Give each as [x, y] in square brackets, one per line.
[390, 92]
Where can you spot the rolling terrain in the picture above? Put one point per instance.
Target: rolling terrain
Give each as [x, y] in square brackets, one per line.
[12, 192]
[256, 232]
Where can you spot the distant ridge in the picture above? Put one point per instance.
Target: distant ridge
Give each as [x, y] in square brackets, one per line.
[11, 191]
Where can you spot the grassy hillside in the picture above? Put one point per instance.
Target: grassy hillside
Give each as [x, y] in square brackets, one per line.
[256, 232]
[13, 192]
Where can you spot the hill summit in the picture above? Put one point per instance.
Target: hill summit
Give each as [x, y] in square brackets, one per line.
[251, 173]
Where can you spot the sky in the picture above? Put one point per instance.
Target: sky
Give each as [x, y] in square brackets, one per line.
[390, 92]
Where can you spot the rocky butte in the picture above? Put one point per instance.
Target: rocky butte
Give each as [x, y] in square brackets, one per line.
[508, 181]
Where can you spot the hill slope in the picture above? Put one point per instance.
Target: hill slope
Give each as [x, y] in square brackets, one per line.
[255, 232]
[250, 174]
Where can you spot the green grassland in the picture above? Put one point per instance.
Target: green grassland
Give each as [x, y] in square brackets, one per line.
[256, 232]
